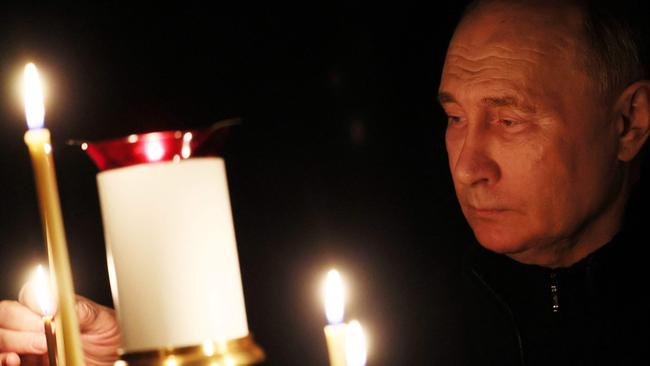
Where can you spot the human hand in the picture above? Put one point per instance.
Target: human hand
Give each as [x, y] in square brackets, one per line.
[22, 338]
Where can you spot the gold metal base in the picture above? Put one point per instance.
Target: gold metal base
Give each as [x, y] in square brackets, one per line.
[236, 352]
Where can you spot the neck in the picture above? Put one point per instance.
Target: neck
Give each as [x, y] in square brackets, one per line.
[593, 234]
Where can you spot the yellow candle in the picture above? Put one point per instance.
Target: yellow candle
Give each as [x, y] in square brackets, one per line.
[50, 337]
[40, 150]
[335, 332]
[355, 347]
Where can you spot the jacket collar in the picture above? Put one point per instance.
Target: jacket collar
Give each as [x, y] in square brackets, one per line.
[513, 280]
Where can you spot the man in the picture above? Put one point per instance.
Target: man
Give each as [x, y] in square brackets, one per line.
[548, 110]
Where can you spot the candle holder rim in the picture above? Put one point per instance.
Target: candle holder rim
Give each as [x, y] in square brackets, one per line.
[158, 146]
[149, 135]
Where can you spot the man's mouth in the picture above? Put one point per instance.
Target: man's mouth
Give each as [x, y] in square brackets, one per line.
[487, 210]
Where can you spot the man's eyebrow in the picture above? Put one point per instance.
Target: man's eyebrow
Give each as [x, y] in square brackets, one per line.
[503, 101]
[507, 101]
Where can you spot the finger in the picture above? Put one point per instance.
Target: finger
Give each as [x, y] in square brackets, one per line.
[16, 316]
[87, 313]
[95, 319]
[9, 359]
[22, 342]
[99, 332]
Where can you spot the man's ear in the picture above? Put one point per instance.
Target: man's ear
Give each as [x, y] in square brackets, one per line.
[634, 119]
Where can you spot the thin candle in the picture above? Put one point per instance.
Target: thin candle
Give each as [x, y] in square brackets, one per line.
[37, 139]
[355, 347]
[43, 297]
[335, 332]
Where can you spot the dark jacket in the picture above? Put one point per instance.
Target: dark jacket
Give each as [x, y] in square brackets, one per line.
[595, 312]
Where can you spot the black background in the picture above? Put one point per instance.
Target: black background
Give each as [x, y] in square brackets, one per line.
[340, 161]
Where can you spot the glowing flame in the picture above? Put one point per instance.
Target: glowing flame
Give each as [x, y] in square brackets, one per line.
[334, 297]
[208, 348]
[33, 97]
[355, 345]
[171, 361]
[154, 150]
[43, 296]
[186, 151]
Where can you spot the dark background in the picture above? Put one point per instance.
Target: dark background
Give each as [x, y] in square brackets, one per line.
[340, 161]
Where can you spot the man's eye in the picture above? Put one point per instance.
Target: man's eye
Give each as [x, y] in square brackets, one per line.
[453, 120]
[508, 122]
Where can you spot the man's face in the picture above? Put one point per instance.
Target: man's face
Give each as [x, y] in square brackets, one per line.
[531, 147]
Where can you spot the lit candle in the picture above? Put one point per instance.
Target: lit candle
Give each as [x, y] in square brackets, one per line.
[37, 139]
[43, 297]
[355, 345]
[335, 332]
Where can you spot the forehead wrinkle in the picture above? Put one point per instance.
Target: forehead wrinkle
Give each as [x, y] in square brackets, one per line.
[534, 44]
[505, 71]
[496, 67]
[483, 64]
[503, 53]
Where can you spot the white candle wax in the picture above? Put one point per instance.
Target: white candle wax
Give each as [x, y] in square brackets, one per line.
[172, 253]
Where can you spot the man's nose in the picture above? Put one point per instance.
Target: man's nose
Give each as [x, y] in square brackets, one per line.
[475, 164]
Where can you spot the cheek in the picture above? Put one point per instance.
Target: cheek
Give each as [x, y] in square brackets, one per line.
[555, 183]
[521, 160]
[539, 172]
[453, 143]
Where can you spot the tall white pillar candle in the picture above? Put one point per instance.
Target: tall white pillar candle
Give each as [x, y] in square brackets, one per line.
[172, 253]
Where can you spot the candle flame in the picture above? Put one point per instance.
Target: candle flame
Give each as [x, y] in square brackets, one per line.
[43, 295]
[334, 297]
[154, 150]
[33, 97]
[208, 348]
[186, 150]
[355, 345]
[171, 361]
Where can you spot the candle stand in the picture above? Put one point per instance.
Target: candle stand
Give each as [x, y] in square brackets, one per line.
[171, 249]
[237, 352]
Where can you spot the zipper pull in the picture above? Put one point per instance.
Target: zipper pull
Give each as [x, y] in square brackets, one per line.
[554, 294]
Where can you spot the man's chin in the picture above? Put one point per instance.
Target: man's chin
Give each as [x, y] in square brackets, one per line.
[507, 243]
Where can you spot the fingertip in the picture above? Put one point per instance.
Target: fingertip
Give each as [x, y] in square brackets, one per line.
[13, 360]
[87, 312]
[27, 297]
[9, 359]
